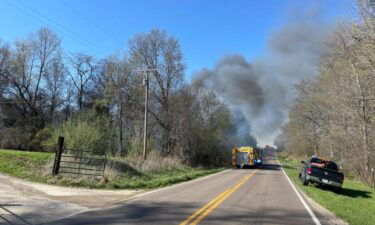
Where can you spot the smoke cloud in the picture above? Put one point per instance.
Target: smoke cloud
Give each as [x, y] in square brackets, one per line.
[261, 90]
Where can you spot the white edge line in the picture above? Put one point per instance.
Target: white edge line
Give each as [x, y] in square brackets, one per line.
[137, 196]
[307, 207]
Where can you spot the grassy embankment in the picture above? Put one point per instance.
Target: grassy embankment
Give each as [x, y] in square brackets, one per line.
[37, 166]
[355, 204]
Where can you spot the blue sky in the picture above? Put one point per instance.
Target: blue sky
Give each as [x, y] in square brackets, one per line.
[207, 29]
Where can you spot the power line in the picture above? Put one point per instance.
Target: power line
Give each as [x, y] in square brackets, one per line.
[105, 93]
[27, 103]
[57, 24]
[92, 22]
[68, 33]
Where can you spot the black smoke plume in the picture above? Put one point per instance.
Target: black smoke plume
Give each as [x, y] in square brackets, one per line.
[261, 90]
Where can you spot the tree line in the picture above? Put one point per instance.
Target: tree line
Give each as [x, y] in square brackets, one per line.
[333, 116]
[99, 103]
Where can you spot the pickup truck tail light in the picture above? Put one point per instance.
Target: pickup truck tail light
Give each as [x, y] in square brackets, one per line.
[309, 170]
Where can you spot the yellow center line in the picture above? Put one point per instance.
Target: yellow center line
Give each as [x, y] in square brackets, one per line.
[216, 204]
[205, 210]
[206, 206]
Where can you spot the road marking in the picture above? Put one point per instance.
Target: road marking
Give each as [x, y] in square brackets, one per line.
[307, 207]
[207, 205]
[172, 186]
[208, 211]
[143, 194]
[201, 213]
[203, 208]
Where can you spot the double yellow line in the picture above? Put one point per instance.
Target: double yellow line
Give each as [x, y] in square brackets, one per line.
[201, 213]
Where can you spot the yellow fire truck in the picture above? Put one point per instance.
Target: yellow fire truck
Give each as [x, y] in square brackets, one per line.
[246, 156]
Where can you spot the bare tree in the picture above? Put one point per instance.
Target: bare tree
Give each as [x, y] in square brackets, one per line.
[46, 48]
[114, 82]
[156, 50]
[25, 69]
[55, 85]
[4, 66]
[341, 103]
[84, 69]
[32, 60]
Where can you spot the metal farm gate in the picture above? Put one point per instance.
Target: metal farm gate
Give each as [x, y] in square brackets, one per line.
[78, 162]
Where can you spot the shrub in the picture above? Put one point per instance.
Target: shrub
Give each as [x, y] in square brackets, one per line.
[87, 131]
[41, 137]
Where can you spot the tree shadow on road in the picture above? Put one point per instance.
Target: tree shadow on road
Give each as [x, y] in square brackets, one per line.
[10, 217]
[155, 212]
[270, 167]
[264, 167]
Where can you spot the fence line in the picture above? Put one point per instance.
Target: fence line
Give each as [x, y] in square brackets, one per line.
[78, 161]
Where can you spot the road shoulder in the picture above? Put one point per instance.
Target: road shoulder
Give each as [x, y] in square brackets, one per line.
[328, 216]
[324, 215]
[39, 203]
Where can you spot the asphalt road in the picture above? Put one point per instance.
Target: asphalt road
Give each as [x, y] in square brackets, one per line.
[236, 196]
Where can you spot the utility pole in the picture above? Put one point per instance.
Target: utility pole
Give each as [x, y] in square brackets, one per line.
[146, 83]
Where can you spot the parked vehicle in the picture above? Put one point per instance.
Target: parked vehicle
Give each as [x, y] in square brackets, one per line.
[246, 156]
[319, 171]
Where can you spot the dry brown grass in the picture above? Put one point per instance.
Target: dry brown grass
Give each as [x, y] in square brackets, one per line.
[135, 165]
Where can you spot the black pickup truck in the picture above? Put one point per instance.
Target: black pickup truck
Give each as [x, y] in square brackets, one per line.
[321, 171]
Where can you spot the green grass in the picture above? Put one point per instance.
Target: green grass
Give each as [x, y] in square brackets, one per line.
[162, 178]
[36, 166]
[26, 165]
[355, 204]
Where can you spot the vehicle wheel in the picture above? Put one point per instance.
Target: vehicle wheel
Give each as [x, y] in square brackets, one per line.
[304, 180]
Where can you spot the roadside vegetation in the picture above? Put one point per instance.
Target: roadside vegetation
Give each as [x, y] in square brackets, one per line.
[127, 173]
[333, 115]
[26, 165]
[355, 204]
[98, 104]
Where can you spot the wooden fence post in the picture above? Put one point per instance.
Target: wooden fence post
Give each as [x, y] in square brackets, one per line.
[56, 164]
